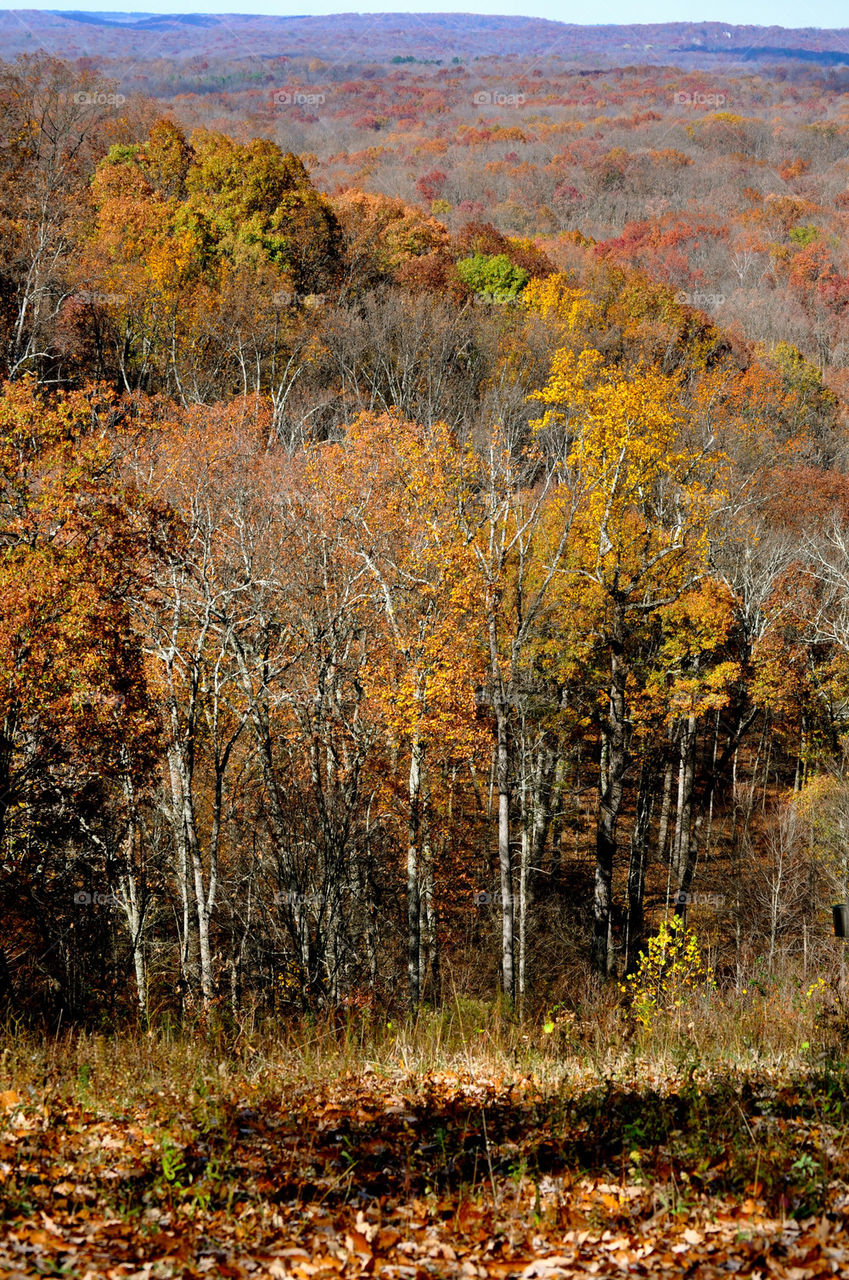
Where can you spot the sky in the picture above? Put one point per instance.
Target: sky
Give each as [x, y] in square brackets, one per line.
[788, 13]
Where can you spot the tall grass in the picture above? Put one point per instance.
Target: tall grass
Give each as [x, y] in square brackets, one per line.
[781, 1023]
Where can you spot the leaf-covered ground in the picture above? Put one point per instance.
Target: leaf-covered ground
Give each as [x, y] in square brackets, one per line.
[433, 1175]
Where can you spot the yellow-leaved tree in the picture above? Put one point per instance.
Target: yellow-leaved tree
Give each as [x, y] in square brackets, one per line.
[639, 540]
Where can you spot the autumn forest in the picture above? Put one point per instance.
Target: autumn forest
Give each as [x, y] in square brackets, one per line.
[424, 587]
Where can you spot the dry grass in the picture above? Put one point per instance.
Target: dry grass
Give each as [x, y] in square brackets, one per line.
[778, 1025]
[501, 1134]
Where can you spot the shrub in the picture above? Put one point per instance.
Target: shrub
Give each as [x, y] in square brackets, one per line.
[670, 970]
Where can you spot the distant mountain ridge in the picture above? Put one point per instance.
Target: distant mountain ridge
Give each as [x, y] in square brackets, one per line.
[773, 53]
[133, 21]
[434, 37]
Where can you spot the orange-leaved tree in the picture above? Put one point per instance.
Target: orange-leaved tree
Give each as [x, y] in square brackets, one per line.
[75, 719]
[398, 496]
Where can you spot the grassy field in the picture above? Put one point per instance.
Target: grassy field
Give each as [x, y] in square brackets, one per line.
[712, 1142]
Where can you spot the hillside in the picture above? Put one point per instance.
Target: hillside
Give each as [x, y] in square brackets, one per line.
[382, 37]
[424, 649]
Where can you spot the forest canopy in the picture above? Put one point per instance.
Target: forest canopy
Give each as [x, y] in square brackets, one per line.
[382, 588]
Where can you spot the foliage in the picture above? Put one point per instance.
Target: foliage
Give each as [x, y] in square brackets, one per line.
[321, 535]
[671, 970]
[493, 278]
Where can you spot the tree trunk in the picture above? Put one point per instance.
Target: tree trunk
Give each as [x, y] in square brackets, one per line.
[557, 820]
[207, 984]
[134, 912]
[413, 898]
[204, 897]
[666, 800]
[614, 731]
[181, 842]
[703, 803]
[505, 864]
[524, 873]
[637, 865]
[544, 795]
[7, 737]
[683, 820]
[536, 820]
[430, 947]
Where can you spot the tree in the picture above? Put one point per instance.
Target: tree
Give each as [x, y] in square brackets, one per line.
[638, 541]
[76, 722]
[399, 493]
[56, 125]
[520, 520]
[382, 235]
[206, 255]
[493, 278]
[261, 204]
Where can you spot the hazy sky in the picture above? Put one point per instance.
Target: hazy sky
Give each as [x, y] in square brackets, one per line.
[788, 13]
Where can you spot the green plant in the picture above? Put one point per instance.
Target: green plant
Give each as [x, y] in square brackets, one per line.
[173, 1164]
[804, 234]
[559, 1022]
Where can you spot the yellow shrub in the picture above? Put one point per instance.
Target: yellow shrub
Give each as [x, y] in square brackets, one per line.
[669, 971]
